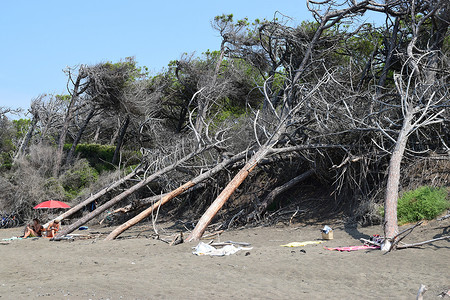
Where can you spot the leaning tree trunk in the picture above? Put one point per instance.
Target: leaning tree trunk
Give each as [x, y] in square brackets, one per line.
[393, 182]
[95, 196]
[207, 217]
[65, 128]
[169, 196]
[78, 137]
[123, 130]
[27, 138]
[282, 188]
[127, 193]
[149, 210]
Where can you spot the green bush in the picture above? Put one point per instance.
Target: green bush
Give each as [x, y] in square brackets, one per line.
[99, 156]
[422, 203]
[80, 176]
[6, 160]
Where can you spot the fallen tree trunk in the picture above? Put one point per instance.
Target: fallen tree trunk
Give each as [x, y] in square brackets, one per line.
[96, 196]
[169, 196]
[128, 192]
[239, 178]
[423, 243]
[226, 193]
[282, 188]
[147, 201]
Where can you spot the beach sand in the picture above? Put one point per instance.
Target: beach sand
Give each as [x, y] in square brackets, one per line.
[145, 268]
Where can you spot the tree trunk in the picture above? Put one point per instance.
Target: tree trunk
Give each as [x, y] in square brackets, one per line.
[126, 193]
[282, 188]
[390, 54]
[169, 196]
[207, 217]
[97, 133]
[27, 138]
[123, 130]
[149, 210]
[116, 133]
[95, 196]
[145, 202]
[78, 137]
[393, 182]
[65, 128]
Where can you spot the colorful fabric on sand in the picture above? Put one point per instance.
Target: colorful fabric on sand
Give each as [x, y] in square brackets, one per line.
[353, 248]
[301, 244]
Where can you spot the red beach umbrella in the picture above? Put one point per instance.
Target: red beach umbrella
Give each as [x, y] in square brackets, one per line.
[52, 204]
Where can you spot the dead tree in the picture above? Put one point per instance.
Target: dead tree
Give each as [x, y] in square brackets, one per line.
[169, 196]
[34, 120]
[79, 87]
[122, 131]
[422, 102]
[422, 105]
[130, 191]
[96, 196]
[70, 155]
[293, 102]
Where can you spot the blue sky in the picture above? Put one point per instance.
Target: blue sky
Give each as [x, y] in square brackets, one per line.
[40, 38]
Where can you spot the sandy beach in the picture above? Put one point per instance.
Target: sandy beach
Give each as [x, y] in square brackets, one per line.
[145, 268]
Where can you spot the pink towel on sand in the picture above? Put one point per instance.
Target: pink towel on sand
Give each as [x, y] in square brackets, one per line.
[353, 248]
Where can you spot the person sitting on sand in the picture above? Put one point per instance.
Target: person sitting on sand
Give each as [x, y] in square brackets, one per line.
[33, 230]
[52, 228]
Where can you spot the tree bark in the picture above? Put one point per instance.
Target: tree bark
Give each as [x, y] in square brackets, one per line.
[78, 137]
[95, 196]
[123, 130]
[207, 217]
[281, 189]
[169, 196]
[27, 138]
[62, 138]
[393, 181]
[126, 193]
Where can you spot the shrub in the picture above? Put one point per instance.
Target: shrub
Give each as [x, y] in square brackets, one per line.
[100, 156]
[6, 160]
[422, 203]
[78, 177]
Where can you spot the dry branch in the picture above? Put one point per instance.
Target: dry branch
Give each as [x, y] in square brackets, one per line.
[169, 196]
[282, 188]
[130, 191]
[444, 217]
[423, 243]
[96, 196]
[226, 193]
